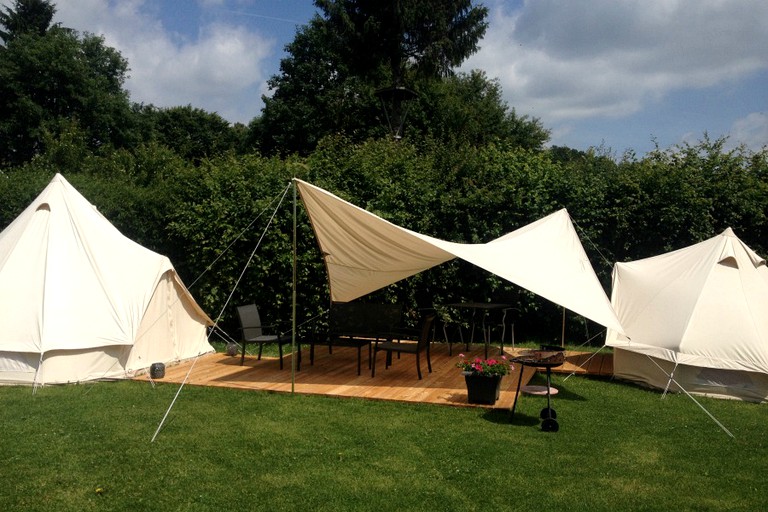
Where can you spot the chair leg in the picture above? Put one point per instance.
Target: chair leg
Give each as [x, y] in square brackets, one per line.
[359, 358]
[242, 357]
[418, 365]
[373, 366]
[429, 360]
[503, 334]
[369, 355]
[261, 345]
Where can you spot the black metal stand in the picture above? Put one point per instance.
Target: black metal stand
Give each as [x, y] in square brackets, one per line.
[548, 414]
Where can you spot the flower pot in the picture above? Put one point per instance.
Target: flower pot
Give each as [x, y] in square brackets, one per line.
[482, 389]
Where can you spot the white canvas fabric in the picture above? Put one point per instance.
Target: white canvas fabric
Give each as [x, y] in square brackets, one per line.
[80, 301]
[703, 306]
[364, 252]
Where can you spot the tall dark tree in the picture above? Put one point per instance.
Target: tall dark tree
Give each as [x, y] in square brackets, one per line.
[26, 16]
[349, 50]
[425, 37]
[315, 94]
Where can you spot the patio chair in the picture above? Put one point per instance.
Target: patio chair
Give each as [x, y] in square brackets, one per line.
[400, 347]
[252, 331]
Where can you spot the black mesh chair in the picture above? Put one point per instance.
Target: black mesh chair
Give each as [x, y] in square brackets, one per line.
[407, 347]
[252, 331]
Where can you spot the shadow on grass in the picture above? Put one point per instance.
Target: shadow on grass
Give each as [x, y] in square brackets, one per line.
[563, 392]
[523, 420]
[500, 416]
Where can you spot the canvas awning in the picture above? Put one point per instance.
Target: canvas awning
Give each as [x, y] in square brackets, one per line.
[364, 253]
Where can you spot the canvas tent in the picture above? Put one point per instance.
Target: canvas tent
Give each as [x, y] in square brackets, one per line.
[80, 301]
[364, 252]
[700, 312]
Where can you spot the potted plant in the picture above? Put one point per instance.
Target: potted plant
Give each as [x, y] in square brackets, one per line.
[483, 378]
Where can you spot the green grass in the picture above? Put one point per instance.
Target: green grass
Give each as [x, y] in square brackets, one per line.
[87, 448]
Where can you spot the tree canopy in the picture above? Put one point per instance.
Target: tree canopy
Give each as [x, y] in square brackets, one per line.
[26, 17]
[427, 38]
[51, 77]
[353, 48]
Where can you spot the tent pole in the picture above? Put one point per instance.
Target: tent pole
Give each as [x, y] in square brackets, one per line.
[672, 379]
[669, 382]
[562, 338]
[293, 299]
[36, 383]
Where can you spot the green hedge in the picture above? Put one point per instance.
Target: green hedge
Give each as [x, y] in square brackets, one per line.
[209, 216]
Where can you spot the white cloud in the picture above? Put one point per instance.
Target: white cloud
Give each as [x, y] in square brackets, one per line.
[568, 60]
[751, 131]
[221, 68]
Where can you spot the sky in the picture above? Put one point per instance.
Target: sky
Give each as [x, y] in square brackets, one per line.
[618, 75]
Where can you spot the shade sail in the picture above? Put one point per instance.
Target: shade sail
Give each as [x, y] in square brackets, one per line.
[364, 252]
[547, 258]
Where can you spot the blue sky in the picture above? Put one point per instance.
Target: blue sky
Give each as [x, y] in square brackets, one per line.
[616, 74]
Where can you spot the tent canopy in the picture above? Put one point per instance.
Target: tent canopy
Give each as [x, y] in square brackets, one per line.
[703, 305]
[364, 252]
[71, 286]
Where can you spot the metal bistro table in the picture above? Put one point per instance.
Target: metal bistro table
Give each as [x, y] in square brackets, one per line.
[485, 308]
[546, 359]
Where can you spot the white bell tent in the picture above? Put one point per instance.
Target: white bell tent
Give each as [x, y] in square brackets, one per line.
[79, 301]
[696, 319]
[363, 253]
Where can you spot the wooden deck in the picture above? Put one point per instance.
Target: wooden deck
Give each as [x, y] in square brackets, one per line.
[587, 363]
[336, 375]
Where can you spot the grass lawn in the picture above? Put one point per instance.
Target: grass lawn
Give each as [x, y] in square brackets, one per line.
[87, 448]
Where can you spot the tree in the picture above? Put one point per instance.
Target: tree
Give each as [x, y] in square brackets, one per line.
[192, 133]
[26, 16]
[51, 79]
[469, 108]
[427, 37]
[337, 62]
[314, 95]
